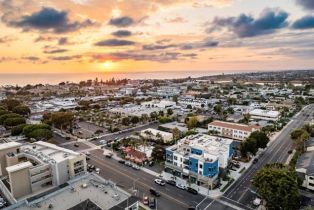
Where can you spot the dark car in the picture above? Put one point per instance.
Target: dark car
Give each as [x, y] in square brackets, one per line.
[171, 182]
[255, 160]
[121, 161]
[154, 192]
[151, 163]
[191, 190]
[191, 208]
[152, 203]
[290, 151]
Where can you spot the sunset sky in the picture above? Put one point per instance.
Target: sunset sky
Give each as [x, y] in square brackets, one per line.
[53, 36]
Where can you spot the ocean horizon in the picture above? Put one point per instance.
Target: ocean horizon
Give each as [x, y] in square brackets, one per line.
[56, 78]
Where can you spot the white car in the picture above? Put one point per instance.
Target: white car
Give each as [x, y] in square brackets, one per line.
[136, 167]
[160, 182]
[257, 201]
[180, 186]
[97, 170]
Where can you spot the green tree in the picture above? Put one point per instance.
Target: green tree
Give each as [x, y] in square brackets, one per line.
[22, 110]
[278, 186]
[17, 130]
[218, 109]
[4, 117]
[125, 121]
[14, 121]
[158, 153]
[62, 119]
[169, 112]
[261, 139]
[38, 131]
[248, 146]
[10, 104]
[189, 106]
[192, 122]
[176, 133]
[135, 119]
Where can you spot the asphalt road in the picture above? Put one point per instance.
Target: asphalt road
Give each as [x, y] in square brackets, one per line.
[121, 135]
[240, 193]
[171, 197]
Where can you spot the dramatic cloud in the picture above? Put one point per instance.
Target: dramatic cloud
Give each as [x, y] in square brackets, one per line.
[114, 42]
[121, 21]
[247, 26]
[45, 38]
[162, 57]
[50, 20]
[7, 39]
[55, 51]
[65, 58]
[122, 33]
[176, 20]
[306, 4]
[305, 22]
[158, 47]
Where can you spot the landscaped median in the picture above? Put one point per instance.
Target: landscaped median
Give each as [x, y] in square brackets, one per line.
[227, 185]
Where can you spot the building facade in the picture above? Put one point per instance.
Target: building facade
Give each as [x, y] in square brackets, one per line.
[232, 130]
[34, 167]
[199, 158]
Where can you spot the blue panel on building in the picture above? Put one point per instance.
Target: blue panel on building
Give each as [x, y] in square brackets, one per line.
[169, 155]
[230, 150]
[196, 151]
[210, 169]
[193, 164]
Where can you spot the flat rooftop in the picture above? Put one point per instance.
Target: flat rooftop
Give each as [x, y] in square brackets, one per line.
[89, 189]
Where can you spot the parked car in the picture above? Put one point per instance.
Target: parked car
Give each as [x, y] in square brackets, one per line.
[152, 203]
[76, 145]
[191, 208]
[290, 151]
[121, 161]
[160, 182]
[136, 167]
[180, 186]
[97, 170]
[191, 190]
[128, 164]
[154, 192]
[171, 182]
[146, 200]
[151, 163]
[109, 155]
[255, 160]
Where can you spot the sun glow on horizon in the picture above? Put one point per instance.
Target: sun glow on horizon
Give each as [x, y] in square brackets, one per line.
[107, 65]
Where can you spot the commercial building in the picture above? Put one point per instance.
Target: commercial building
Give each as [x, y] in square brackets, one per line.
[260, 114]
[232, 130]
[157, 135]
[89, 191]
[194, 102]
[305, 166]
[199, 158]
[31, 168]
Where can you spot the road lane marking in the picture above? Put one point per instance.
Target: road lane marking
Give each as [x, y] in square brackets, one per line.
[139, 183]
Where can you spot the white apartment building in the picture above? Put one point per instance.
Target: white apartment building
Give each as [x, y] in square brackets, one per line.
[232, 130]
[35, 167]
[194, 102]
[260, 114]
[167, 91]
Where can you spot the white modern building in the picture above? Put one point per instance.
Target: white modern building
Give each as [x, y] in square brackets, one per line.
[232, 130]
[194, 102]
[260, 114]
[35, 167]
[199, 158]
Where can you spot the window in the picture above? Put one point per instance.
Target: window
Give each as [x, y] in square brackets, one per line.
[201, 166]
[175, 158]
